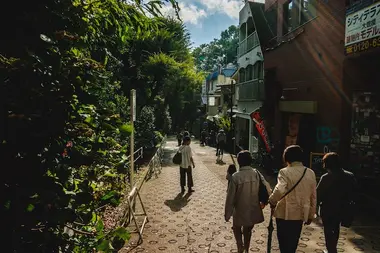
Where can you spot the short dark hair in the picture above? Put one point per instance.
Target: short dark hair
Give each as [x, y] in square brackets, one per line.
[331, 161]
[293, 153]
[231, 169]
[186, 139]
[244, 158]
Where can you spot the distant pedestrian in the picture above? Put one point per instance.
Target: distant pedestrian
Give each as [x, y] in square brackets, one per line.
[243, 200]
[293, 204]
[335, 195]
[185, 166]
[230, 171]
[203, 137]
[220, 141]
[179, 138]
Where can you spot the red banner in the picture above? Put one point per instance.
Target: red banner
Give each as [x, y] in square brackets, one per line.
[255, 116]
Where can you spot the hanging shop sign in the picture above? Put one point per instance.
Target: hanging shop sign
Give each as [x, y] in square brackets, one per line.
[255, 116]
[363, 30]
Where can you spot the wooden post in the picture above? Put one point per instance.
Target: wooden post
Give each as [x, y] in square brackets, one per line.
[132, 145]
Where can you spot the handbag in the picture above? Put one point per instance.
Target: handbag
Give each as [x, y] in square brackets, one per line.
[263, 192]
[177, 158]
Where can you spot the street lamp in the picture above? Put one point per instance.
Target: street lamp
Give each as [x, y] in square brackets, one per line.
[232, 128]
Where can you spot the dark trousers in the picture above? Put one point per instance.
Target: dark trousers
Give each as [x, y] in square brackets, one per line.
[220, 148]
[179, 142]
[183, 172]
[331, 227]
[288, 234]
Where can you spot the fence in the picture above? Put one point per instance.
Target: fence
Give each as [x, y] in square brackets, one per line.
[154, 168]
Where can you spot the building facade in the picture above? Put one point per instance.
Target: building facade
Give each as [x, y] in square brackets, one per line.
[218, 92]
[250, 89]
[322, 80]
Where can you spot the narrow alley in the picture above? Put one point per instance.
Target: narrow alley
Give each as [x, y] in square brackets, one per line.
[195, 223]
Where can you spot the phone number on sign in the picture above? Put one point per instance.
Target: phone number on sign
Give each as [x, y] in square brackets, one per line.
[363, 46]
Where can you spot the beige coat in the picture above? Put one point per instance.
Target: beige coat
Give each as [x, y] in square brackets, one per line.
[243, 198]
[300, 204]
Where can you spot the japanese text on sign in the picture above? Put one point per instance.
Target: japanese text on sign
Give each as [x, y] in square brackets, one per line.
[363, 25]
[363, 46]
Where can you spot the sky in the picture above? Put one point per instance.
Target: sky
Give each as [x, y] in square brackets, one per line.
[206, 19]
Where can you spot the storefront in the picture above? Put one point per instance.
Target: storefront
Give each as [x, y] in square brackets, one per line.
[362, 85]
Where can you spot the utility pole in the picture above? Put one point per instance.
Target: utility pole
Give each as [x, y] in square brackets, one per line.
[132, 145]
[231, 115]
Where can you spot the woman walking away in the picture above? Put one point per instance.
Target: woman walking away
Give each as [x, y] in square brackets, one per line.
[185, 166]
[335, 193]
[293, 199]
[230, 171]
[243, 202]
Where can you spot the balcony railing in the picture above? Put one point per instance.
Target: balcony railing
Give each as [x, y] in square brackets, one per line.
[248, 44]
[252, 90]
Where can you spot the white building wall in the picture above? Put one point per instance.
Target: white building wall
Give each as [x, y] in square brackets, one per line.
[245, 108]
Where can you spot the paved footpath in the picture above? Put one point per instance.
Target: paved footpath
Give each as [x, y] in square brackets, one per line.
[195, 223]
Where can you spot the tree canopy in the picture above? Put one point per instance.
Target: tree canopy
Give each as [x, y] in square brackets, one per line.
[67, 69]
[218, 52]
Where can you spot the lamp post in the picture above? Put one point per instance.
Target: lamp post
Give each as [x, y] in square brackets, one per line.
[232, 92]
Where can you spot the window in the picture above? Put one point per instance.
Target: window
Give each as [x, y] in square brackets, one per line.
[241, 75]
[287, 17]
[308, 10]
[296, 13]
[258, 70]
[249, 73]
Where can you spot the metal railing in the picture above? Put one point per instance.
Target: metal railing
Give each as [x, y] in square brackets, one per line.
[138, 154]
[155, 164]
[154, 167]
[251, 90]
[248, 44]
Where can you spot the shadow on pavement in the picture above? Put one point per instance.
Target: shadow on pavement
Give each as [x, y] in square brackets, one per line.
[178, 202]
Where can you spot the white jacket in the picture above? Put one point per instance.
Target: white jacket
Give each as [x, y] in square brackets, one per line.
[300, 204]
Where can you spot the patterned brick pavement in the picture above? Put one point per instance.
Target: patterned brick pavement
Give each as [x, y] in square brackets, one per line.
[195, 223]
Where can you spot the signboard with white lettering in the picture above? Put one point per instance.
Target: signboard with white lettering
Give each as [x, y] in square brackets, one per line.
[363, 29]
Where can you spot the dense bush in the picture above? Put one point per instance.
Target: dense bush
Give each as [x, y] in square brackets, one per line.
[67, 68]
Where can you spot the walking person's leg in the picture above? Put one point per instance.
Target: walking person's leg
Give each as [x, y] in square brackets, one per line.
[238, 237]
[247, 233]
[331, 228]
[190, 183]
[182, 173]
[282, 235]
[288, 233]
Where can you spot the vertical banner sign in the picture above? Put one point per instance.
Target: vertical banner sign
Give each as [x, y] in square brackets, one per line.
[132, 146]
[255, 116]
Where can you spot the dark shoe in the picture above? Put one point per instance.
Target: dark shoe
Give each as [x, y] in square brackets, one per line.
[182, 190]
[191, 190]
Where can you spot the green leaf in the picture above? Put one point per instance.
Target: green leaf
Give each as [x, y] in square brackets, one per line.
[30, 208]
[105, 246]
[122, 233]
[109, 195]
[108, 173]
[99, 226]
[126, 129]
